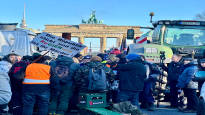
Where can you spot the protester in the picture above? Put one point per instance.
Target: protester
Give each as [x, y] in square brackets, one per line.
[122, 59]
[201, 67]
[185, 83]
[17, 74]
[201, 82]
[82, 74]
[5, 89]
[36, 88]
[61, 85]
[112, 61]
[174, 69]
[152, 74]
[115, 51]
[79, 57]
[131, 76]
[85, 59]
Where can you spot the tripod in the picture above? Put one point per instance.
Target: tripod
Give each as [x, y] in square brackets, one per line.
[162, 58]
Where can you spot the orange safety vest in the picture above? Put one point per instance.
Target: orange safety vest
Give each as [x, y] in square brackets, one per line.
[37, 74]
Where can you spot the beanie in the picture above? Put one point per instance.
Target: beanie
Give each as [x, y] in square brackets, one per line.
[133, 57]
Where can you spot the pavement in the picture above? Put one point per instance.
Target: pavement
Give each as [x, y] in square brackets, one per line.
[166, 111]
[163, 110]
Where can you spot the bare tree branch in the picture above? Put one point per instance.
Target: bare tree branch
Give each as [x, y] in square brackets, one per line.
[200, 16]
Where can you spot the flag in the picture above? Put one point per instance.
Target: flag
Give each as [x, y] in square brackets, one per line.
[123, 46]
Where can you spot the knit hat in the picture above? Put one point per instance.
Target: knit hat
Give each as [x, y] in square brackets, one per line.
[36, 55]
[133, 57]
[87, 57]
[96, 58]
[63, 60]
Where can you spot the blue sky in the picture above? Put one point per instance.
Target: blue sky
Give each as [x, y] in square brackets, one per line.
[113, 12]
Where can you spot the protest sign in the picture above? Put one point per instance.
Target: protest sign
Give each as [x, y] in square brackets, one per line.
[57, 44]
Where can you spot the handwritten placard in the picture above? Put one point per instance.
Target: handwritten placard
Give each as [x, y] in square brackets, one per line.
[57, 44]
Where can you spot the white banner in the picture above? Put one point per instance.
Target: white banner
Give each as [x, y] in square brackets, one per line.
[57, 44]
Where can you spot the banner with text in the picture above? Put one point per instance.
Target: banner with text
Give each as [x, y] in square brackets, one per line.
[57, 44]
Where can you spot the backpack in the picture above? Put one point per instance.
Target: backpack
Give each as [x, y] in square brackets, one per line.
[61, 71]
[97, 80]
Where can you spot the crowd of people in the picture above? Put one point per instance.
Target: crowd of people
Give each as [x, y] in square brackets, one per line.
[47, 86]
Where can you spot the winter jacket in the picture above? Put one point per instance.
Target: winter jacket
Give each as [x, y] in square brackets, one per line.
[81, 76]
[152, 71]
[5, 89]
[56, 82]
[132, 76]
[187, 75]
[174, 70]
[17, 74]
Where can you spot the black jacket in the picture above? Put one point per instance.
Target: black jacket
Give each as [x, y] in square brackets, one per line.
[132, 76]
[174, 70]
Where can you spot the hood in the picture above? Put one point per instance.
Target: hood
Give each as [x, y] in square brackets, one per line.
[5, 66]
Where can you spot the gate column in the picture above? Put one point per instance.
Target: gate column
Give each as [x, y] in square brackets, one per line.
[102, 44]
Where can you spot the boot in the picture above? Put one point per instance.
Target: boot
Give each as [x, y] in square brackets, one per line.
[151, 107]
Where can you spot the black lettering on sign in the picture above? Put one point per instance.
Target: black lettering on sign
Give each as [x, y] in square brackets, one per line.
[34, 43]
[47, 39]
[43, 46]
[48, 35]
[69, 42]
[74, 48]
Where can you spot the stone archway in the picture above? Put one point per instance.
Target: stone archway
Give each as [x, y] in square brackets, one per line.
[101, 31]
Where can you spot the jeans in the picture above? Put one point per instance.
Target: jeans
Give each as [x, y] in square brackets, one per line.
[59, 103]
[38, 96]
[147, 96]
[16, 103]
[192, 99]
[132, 96]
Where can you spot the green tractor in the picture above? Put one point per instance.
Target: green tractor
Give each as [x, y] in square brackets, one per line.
[185, 37]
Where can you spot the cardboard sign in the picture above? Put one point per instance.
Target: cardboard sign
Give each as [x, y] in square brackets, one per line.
[57, 44]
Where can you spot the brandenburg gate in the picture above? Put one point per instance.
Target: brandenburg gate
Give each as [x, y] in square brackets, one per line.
[93, 29]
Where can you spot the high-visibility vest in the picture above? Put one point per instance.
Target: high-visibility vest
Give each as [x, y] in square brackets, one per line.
[37, 74]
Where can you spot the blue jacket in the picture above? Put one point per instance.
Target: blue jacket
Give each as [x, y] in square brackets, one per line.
[187, 75]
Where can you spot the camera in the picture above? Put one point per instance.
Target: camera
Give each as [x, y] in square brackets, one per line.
[162, 55]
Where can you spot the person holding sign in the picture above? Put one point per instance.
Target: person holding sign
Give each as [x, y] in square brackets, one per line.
[36, 86]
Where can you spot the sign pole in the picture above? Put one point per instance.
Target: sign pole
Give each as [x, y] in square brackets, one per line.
[39, 57]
